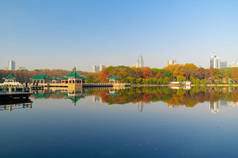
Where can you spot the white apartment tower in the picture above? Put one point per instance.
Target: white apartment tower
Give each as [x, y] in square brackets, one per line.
[11, 65]
[98, 68]
[140, 61]
[171, 62]
[95, 68]
[215, 62]
[101, 66]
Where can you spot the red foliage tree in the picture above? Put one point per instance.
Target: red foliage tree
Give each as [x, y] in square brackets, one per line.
[147, 72]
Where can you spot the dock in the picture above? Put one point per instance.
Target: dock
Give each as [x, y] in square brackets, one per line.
[14, 95]
[42, 86]
[15, 104]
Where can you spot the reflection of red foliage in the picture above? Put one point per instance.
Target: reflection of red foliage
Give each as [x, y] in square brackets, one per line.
[103, 95]
[235, 96]
[146, 98]
[175, 98]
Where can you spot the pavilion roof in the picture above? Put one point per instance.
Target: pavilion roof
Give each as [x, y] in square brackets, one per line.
[41, 95]
[40, 77]
[60, 78]
[113, 77]
[75, 74]
[10, 76]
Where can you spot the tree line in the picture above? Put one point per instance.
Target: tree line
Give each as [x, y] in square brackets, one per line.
[149, 95]
[171, 97]
[177, 72]
[144, 75]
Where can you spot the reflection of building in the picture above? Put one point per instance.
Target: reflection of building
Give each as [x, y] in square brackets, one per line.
[233, 103]
[11, 65]
[214, 107]
[140, 106]
[60, 94]
[96, 99]
[15, 104]
[223, 103]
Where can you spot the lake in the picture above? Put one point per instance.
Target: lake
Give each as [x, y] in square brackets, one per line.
[108, 123]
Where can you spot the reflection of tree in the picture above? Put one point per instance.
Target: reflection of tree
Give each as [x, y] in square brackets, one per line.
[235, 96]
[171, 97]
[74, 96]
[147, 95]
[140, 106]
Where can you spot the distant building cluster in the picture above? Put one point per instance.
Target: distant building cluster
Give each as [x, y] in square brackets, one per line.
[98, 68]
[97, 99]
[22, 68]
[215, 107]
[140, 62]
[12, 66]
[216, 62]
[234, 64]
[224, 64]
[171, 62]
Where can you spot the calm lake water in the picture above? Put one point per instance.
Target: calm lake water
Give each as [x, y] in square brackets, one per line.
[122, 123]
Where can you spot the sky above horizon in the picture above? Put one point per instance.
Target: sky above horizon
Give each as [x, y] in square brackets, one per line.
[67, 33]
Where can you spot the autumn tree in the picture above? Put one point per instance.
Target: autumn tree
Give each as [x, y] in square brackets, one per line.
[234, 74]
[146, 72]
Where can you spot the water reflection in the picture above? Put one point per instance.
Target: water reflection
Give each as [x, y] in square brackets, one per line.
[96, 99]
[138, 123]
[216, 97]
[16, 104]
[46, 94]
[140, 106]
[214, 107]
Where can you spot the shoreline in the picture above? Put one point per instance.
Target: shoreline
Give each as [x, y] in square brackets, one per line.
[192, 85]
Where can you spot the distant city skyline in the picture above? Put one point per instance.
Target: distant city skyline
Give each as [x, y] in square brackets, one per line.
[63, 34]
[214, 61]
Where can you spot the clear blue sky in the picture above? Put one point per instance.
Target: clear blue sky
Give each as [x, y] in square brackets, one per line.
[64, 33]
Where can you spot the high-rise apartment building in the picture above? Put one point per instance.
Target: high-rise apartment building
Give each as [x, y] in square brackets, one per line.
[224, 64]
[95, 68]
[98, 68]
[101, 66]
[11, 65]
[215, 62]
[140, 61]
[171, 62]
